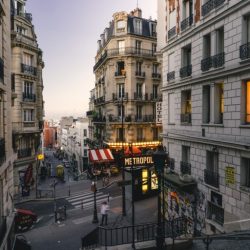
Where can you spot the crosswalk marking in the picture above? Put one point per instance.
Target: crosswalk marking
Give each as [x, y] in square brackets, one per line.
[86, 200]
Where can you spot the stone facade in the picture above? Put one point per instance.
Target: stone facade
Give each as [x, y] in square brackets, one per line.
[127, 74]
[27, 87]
[206, 93]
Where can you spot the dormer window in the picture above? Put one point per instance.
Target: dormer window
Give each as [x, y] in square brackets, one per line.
[120, 25]
[138, 26]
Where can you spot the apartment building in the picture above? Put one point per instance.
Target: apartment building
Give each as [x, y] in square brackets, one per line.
[205, 50]
[7, 156]
[128, 82]
[27, 101]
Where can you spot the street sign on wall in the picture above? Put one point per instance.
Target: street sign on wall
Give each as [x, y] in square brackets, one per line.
[159, 112]
[230, 175]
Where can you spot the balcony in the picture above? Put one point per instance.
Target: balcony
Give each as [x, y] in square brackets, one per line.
[206, 64]
[170, 76]
[140, 96]
[41, 125]
[99, 101]
[119, 97]
[186, 118]
[1, 69]
[187, 22]
[245, 51]
[121, 73]
[140, 74]
[211, 178]
[27, 16]
[215, 213]
[210, 5]
[27, 69]
[89, 113]
[172, 32]
[3, 228]
[2, 151]
[29, 97]
[99, 119]
[144, 118]
[185, 168]
[219, 60]
[156, 76]
[155, 97]
[22, 153]
[186, 71]
[101, 60]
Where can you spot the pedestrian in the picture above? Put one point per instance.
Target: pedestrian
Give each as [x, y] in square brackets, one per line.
[104, 213]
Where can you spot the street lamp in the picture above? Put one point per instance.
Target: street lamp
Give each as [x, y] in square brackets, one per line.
[94, 189]
[159, 159]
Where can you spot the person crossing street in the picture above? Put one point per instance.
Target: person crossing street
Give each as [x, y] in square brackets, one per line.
[104, 213]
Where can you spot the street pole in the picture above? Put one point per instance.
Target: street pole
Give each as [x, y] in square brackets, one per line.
[55, 207]
[123, 170]
[95, 217]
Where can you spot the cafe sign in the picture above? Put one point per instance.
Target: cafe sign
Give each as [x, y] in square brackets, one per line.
[138, 161]
[230, 175]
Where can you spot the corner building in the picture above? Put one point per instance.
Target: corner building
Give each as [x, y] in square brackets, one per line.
[206, 104]
[27, 98]
[128, 82]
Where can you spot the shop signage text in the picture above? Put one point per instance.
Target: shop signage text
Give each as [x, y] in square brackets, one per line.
[140, 160]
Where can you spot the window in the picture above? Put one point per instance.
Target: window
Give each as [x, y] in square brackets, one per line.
[153, 29]
[248, 102]
[187, 9]
[155, 91]
[139, 90]
[186, 56]
[120, 110]
[85, 152]
[138, 26]
[186, 154]
[155, 134]
[28, 88]
[245, 172]
[139, 112]
[171, 108]
[120, 90]
[85, 132]
[206, 104]
[138, 68]
[21, 30]
[212, 161]
[186, 107]
[121, 46]
[219, 103]
[139, 134]
[207, 46]
[138, 46]
[220, 40]
[120, 26]
[120, 134]
[172, 19]
[154, 48]
[120, 69]
[155, 68]
[28, 115]
[84, 142]
[27, 59]
[246, 29]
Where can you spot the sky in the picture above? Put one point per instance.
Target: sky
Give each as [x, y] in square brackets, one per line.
[67, 32]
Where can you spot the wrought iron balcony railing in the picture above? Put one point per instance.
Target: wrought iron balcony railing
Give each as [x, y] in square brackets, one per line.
[172, 32]
[211, 178]
[156, 75]
[120, 73]
[3, 228]
[29, 97]
[185, 167]
[155, 97]
[1, 69]
[210, 5]
[99, 119]
[22, 153]
[119, 97]
[215, 213]
[140, 74]
[186, 71]
[27, 69]
[89, 113]
[206, 63]
[171, 76]
[2, 151]
[186, 118]
[27, 16]
[187, 22]
[245, 51]
[140, 96]
[99, 101]
[219, 60]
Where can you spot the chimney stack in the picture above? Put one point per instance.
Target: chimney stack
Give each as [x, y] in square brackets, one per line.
[137, 12]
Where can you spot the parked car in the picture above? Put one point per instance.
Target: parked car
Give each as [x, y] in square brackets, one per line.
[24, 219]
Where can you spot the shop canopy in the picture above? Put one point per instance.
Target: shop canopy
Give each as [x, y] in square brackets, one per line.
[100, 155]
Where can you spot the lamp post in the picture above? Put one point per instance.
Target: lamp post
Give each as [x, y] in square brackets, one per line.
[94, 189]
[159, 158]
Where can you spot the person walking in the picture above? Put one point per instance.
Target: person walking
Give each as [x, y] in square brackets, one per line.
[104, 213]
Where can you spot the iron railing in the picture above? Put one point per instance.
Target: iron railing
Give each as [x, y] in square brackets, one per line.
[91, 240]
[22, 153]
[100, 100]
[185, 167]
[245, 51]
[171, 164]
[171, 76]
[140, 96]
[206, 63]
[3, 228]
[2, 151]
[172, 32]
[186, 71]
[1, 69]
[89, 113]
[119, 97]
[140, 74]
[29, 97]
[156, 75]
[211, 178]
[215, 213]
[210, 5]
[27, 69]
[187, 22]
[186, 118]
[99, 119]
[219, 60]
[155, 97]
[27, 16]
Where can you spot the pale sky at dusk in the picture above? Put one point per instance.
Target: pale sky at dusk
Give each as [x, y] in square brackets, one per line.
[67, 33]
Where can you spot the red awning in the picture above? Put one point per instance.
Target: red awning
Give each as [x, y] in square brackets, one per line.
[100, 155]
